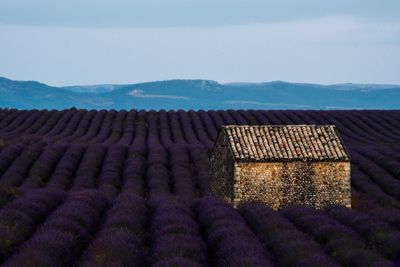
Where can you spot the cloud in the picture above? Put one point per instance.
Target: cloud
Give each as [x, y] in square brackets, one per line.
[322, 50]
[141, 94]
[186, 13]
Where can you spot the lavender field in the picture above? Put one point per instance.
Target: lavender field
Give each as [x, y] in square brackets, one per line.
[132, 188]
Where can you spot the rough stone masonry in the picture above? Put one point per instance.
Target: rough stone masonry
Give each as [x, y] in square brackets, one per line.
[281, 165]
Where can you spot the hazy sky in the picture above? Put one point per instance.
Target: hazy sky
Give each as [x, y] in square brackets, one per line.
[123, 41]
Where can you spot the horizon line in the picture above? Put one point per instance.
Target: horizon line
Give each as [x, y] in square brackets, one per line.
[202, 79]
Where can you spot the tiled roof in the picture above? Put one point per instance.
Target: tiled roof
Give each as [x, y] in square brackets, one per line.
[285, 142]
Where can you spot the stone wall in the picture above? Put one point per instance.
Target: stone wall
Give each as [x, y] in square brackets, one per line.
[222, 170]
[333, 183]
[258, 182]
[278, 184]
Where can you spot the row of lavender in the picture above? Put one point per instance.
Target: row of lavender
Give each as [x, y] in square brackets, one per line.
[163, 156]
[155, 169]
[181, 127]
[52, 163]
[152, 169]
[47, 227]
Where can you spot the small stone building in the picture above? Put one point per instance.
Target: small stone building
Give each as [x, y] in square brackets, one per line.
[281, 165]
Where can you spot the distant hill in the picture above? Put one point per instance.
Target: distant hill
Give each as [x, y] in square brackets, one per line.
[199, 94]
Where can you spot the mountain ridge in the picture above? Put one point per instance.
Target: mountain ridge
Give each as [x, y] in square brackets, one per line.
[198, 94]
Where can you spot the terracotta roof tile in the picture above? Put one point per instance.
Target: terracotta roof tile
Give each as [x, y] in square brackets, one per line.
[285, 142]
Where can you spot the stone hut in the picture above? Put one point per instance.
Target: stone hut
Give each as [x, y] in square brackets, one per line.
[281, 165]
